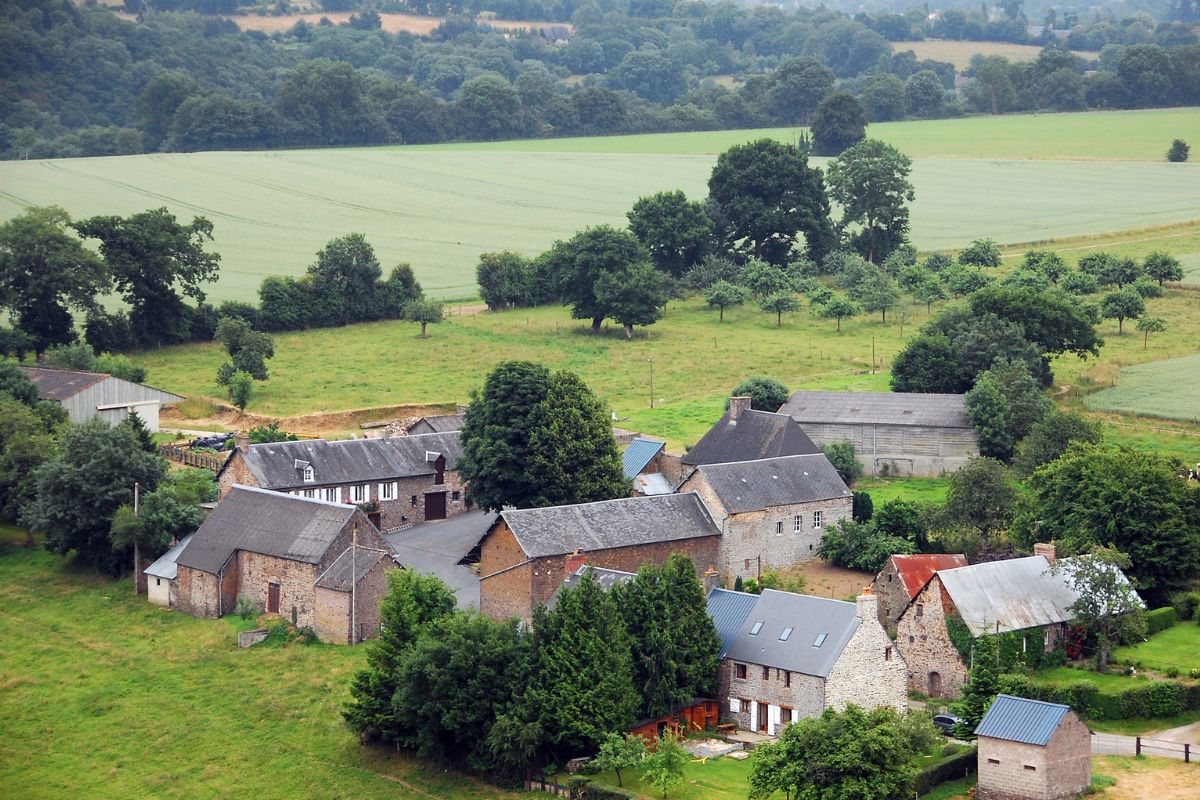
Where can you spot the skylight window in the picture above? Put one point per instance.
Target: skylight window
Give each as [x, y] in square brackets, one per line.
[757, 627]
[820, 640]
[783, 637]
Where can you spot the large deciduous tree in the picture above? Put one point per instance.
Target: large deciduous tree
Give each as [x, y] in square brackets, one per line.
[632, 296]
[930, 363]
[1106, 606]
[1004, 404]
[676, 231]
[579, 263]
[768, 194]
[981, 495]
[1050, 437]
[766, 394]
[45, 272]
[505, 280]
[248, 349]
[149, 254]
[1056, 324]
[870, 182]
[343, 280]
[797, 87]
[839, 122]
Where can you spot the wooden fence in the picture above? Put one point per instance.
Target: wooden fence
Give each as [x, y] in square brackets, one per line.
[551, 786]
[182, 455]
[1111, 744]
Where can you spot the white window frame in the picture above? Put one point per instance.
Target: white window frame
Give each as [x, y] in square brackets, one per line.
[798, 524]
[310, 474]
[310, 493]
[331, 495]
[816, 517]
[387, 491]
[360, 493]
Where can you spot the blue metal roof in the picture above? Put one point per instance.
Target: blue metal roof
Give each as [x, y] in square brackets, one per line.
[638, 454]
[728, 611]
[1018, 719]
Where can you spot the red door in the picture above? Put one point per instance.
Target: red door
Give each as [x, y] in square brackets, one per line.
[273, 598]
[435, 506]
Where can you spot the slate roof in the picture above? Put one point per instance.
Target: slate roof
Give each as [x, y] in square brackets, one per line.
[165, 566]
[610, 523]
[752, 436]
[275, 465]
[1018, 593]
[441, 548]
[638, 454]
[342, 571]
[59, 384]
[442, 423]
[879, 408]
[916, 570]
[605, 578]
[812, 620]
[1017, 719]
[271, 523]
[755, 485]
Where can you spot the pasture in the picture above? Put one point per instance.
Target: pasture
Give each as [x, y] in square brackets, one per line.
[959, 53]
[1169, 389]
[104, 695]
[438, 208]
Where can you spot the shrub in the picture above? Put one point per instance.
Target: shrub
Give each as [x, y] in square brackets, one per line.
[1185, 604]
[1160, 619]
[766, 394]
[841, 455]
[863, 507]
[953, 767]
[595, 791]
[240, 387]
[246, 607]
[1179, 151]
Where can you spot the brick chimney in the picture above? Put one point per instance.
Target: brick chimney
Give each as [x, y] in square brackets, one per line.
[710, 579]
[738, 405]
[868, 605]
[242, 441]
[1048, 550]
[574, 562]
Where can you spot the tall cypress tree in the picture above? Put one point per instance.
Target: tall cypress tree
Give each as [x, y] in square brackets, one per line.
[983, 684]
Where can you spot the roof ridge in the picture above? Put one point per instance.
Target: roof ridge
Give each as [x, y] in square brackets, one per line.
[758, 460]
[1033, 700]
[287, 496]
[643, 498]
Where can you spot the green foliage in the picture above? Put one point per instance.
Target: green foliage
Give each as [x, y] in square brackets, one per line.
[241, 386]
[1162, 267]
[1056, 324]
[677, 232]
[960, 636]
[864, 508]
[839, 307]
[505, 280]
[1004, 405]
[266, 434]
[1050, 437]
[841, 455]
[903, 520]
[723, 294]
[947, 769]
[633, 295]
[1122, 305]
[856, 545]
[424, 313]
[929, 363]
[870, 183]
[983, 684]
[980, 253]
[663, 768]
[766, 394]
[166, 515]
[839, 123]
[26, 443]
[136, 426]
[193, 486]
[1186, 604]
[247, 348]
[982, 496]
[619, 752]
[1179, 151]
[1160, 619]
[778, 303]
[1106, 606]
[247, 607]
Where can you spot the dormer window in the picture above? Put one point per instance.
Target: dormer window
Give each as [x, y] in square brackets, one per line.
[310, 474]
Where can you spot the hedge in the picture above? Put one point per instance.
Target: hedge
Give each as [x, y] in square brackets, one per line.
[1186, 604]
[1144, 700]
[596, 791]
[1160, 619]
[950, 768]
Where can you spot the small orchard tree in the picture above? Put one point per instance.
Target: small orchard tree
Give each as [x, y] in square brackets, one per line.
[248, 349]
[763, 279]
[425, 313]
[877, 293]
[723, 294]
[619, 752]
[1149, 325]
[664, 767]
[1106, 607]
[1163, 267]
[779, 303]
[1179, 151]
[1122, 305]
[766, 394]
[928, 291]
[241, 386]
[980, 253]
[839, 307]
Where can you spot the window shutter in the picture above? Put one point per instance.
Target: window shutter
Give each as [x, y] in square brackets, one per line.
[735, 705]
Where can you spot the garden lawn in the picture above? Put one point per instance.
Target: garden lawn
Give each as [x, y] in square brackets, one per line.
[912, 490]
[1106, 682]
[1177, 646]
[716, 778]
[103, 695]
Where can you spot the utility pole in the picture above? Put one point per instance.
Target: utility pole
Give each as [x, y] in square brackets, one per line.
[650, 360]
[137, 551]
[354, 586]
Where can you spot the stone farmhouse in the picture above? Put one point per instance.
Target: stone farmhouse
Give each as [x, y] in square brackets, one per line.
[94, 394]
[303, 559]
[527, 553]
[743, 434]
[773, 511]
[786, 657]
[401, 480]
[893, 432]
[1031, 750]
[1020, 594]
[903, 577]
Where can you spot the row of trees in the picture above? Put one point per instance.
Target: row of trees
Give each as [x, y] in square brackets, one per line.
[496, 698]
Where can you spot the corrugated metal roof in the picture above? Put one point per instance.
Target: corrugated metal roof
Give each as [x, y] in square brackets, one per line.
[166, 565]
[771, 482]
[811, 620]
[638, 454]
[728, 610]
[653, 483]
[1017, 719]
[59, 384]
[881, 408]
[605, 578]
[271, 523]
[342, 571]
[916, 570]
[755, 435]
[275, 465]
[609, 523]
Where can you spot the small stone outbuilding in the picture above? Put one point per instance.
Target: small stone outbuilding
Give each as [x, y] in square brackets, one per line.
[1031, 750]
[903, 577]
[786, 657]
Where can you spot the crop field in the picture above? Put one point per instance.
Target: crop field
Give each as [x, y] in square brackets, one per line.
[1168, 389]
[438, 209]
[104, 695]
[959, 53]
[1191, 268]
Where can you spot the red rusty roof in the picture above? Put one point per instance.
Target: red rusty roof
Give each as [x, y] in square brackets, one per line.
[916, 571]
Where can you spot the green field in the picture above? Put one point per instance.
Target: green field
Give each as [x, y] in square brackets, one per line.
[439, 207]
[1191, 268]
[103, 695]
[1177, 646]
[1168, 389]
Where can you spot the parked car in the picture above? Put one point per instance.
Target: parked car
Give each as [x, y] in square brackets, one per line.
[945, 722]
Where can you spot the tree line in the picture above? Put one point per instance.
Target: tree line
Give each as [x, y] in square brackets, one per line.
[80, 81]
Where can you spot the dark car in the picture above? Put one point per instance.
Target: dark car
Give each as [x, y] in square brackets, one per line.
[945, 722]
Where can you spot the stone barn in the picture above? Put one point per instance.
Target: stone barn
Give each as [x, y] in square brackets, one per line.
[903, 577]
[1031, 750]
[94, 394]
[786, 657]
[160, 576]
[892, 432]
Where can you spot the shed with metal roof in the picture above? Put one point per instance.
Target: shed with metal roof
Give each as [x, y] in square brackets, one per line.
[1032, 750]
[85, 395]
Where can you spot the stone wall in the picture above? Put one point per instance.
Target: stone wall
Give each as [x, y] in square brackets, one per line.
[295, 579]
[904, 449]
[198, 593]
[235, 472]
[871, 671]
[923, 640]
[331, 609]
[767, 686]
[1017, 771]
[893, 596]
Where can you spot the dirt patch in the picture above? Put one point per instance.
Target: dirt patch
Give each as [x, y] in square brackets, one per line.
[337, 422]
[392, 23]
[825, 580]
[1137, 779]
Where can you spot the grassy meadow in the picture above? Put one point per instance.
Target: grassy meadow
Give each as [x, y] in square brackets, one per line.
[104, 695]
[960, 53]
[1168, 389]
[1012, 178]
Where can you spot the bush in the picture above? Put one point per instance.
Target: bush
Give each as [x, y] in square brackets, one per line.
[1160, 619]
[863, 507]
[1185, 604]
[1156, 699]
[241, 385]
[1179, 151]
[596, 791]
[766, 394]
[950, 768]
[841, 455]
[246, 607]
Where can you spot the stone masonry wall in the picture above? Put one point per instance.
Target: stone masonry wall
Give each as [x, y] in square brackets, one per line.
[870, 672]
[748, 536]
[295, 579]
[805, 696]
[922, 638]
[1017, 771]
[505, 589]
[331, 609]
[235, 472]
[893, 597]
[198, 593]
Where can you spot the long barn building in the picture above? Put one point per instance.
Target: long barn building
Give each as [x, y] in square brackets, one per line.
[896, 433]
[94, 394]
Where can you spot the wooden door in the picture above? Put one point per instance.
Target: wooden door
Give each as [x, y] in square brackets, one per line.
[273, 598]
[935, 685]
[435, 506]
[763, 716]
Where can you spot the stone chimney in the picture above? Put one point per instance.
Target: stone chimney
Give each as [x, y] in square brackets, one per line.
[868, 605]
[574, 562]
[711, 579]
[1048, 550]
[737, 406]
[242, 441]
